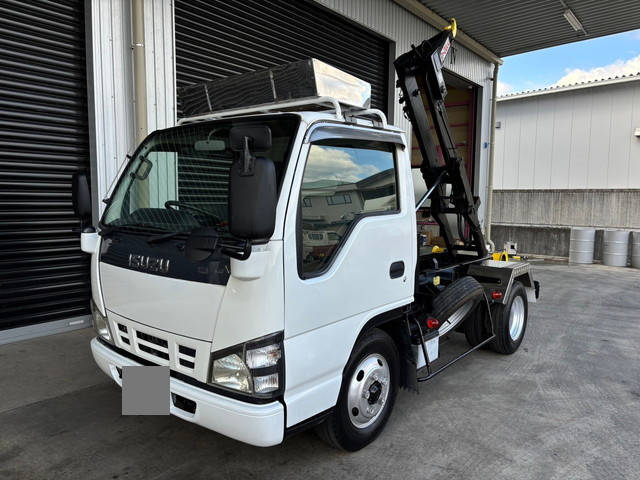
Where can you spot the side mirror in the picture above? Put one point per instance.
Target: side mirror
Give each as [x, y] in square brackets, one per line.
[253, 199]
[81, 196]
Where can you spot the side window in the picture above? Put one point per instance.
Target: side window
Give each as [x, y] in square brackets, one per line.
[343, 181]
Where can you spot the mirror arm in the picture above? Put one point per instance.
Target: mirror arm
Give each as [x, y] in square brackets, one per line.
[243, 255]
[247, 158]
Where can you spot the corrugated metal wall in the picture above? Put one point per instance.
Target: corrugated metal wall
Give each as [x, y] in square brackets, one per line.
[579, 139]
[44, 140]
[394, 22]
[112, 94]
[159, 35]
[112, 78]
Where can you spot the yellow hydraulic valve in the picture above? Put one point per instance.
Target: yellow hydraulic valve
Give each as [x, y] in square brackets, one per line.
[503, 256]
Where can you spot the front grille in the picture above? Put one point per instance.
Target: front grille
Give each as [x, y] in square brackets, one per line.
[124, 334]
[153, 351]
[155, 346]
[187, 357]
[156, 349]
[155, 340]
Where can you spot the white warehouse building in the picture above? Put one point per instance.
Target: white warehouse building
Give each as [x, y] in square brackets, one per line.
[567, 156]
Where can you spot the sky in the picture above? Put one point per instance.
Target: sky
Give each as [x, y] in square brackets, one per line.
[592, 59]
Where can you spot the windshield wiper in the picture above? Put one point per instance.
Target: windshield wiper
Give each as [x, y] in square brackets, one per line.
[164, 236]
[107, 229]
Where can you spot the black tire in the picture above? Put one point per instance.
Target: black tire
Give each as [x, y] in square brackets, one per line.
[474, 326]
[455, 296]
[338, 430]
[504, 343]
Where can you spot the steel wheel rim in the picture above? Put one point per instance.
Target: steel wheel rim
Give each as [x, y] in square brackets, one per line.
[516, 318]
[368, 390]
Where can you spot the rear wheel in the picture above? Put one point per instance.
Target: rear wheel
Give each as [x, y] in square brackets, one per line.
[456, 302]
[510, 320]
[367, 395]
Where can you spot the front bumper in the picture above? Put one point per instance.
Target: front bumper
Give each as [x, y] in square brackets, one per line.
[260, 425]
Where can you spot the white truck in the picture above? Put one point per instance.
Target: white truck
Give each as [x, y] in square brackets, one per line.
[205, 259]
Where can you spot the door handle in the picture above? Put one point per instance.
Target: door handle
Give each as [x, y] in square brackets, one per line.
[397, 269]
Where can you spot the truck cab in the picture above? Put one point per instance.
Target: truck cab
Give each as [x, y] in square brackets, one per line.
[245, 332]
[269, 257]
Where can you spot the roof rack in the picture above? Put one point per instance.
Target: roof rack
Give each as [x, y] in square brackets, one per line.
[330, 104]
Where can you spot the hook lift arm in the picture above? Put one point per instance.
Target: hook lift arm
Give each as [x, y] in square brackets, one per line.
[423, 92]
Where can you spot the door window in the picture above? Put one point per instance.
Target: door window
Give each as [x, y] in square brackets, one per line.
[343, 181]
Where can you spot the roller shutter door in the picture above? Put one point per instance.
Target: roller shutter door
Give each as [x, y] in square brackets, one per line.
[43, 140]
[220, 38]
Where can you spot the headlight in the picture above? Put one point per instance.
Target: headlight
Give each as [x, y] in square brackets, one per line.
[100, 323]
[255, 368]
[231, 372]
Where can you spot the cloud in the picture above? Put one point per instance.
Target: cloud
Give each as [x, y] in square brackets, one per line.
[327, 163]
[615, 69]
[504, 88]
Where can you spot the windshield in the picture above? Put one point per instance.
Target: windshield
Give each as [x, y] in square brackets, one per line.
[178, 179]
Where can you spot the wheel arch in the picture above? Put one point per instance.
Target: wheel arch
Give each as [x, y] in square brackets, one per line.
[393, 323]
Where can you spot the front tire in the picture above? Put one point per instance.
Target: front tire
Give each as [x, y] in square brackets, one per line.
[368, 393]
[510, 321]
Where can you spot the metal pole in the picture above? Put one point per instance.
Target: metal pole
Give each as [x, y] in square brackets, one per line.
[492, 142]
[139, 70]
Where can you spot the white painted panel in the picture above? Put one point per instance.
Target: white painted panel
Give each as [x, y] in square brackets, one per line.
[599, 139]
[112, 81]
[544, 143]
[159, 46]
[511, 150]
[561, 153]
[527, 149]
[113, 92]
[312, 384]
[584, 139]
[499, 157]
[580, 132]
[621, 114]
[153, 301]
[634, 147]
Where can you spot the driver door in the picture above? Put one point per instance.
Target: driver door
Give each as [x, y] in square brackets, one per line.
[349, 248]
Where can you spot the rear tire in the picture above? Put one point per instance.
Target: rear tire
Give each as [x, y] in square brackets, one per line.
[510, 320]
[457, 301]
[474, 327]
[368, 393]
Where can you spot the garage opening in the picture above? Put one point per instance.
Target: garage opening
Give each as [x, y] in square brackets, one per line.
[43, 103]
[462, 107]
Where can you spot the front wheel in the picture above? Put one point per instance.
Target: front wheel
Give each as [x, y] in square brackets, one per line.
[510, 321]
[368, 393]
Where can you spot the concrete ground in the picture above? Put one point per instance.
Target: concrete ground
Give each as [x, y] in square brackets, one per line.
[565, 406]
